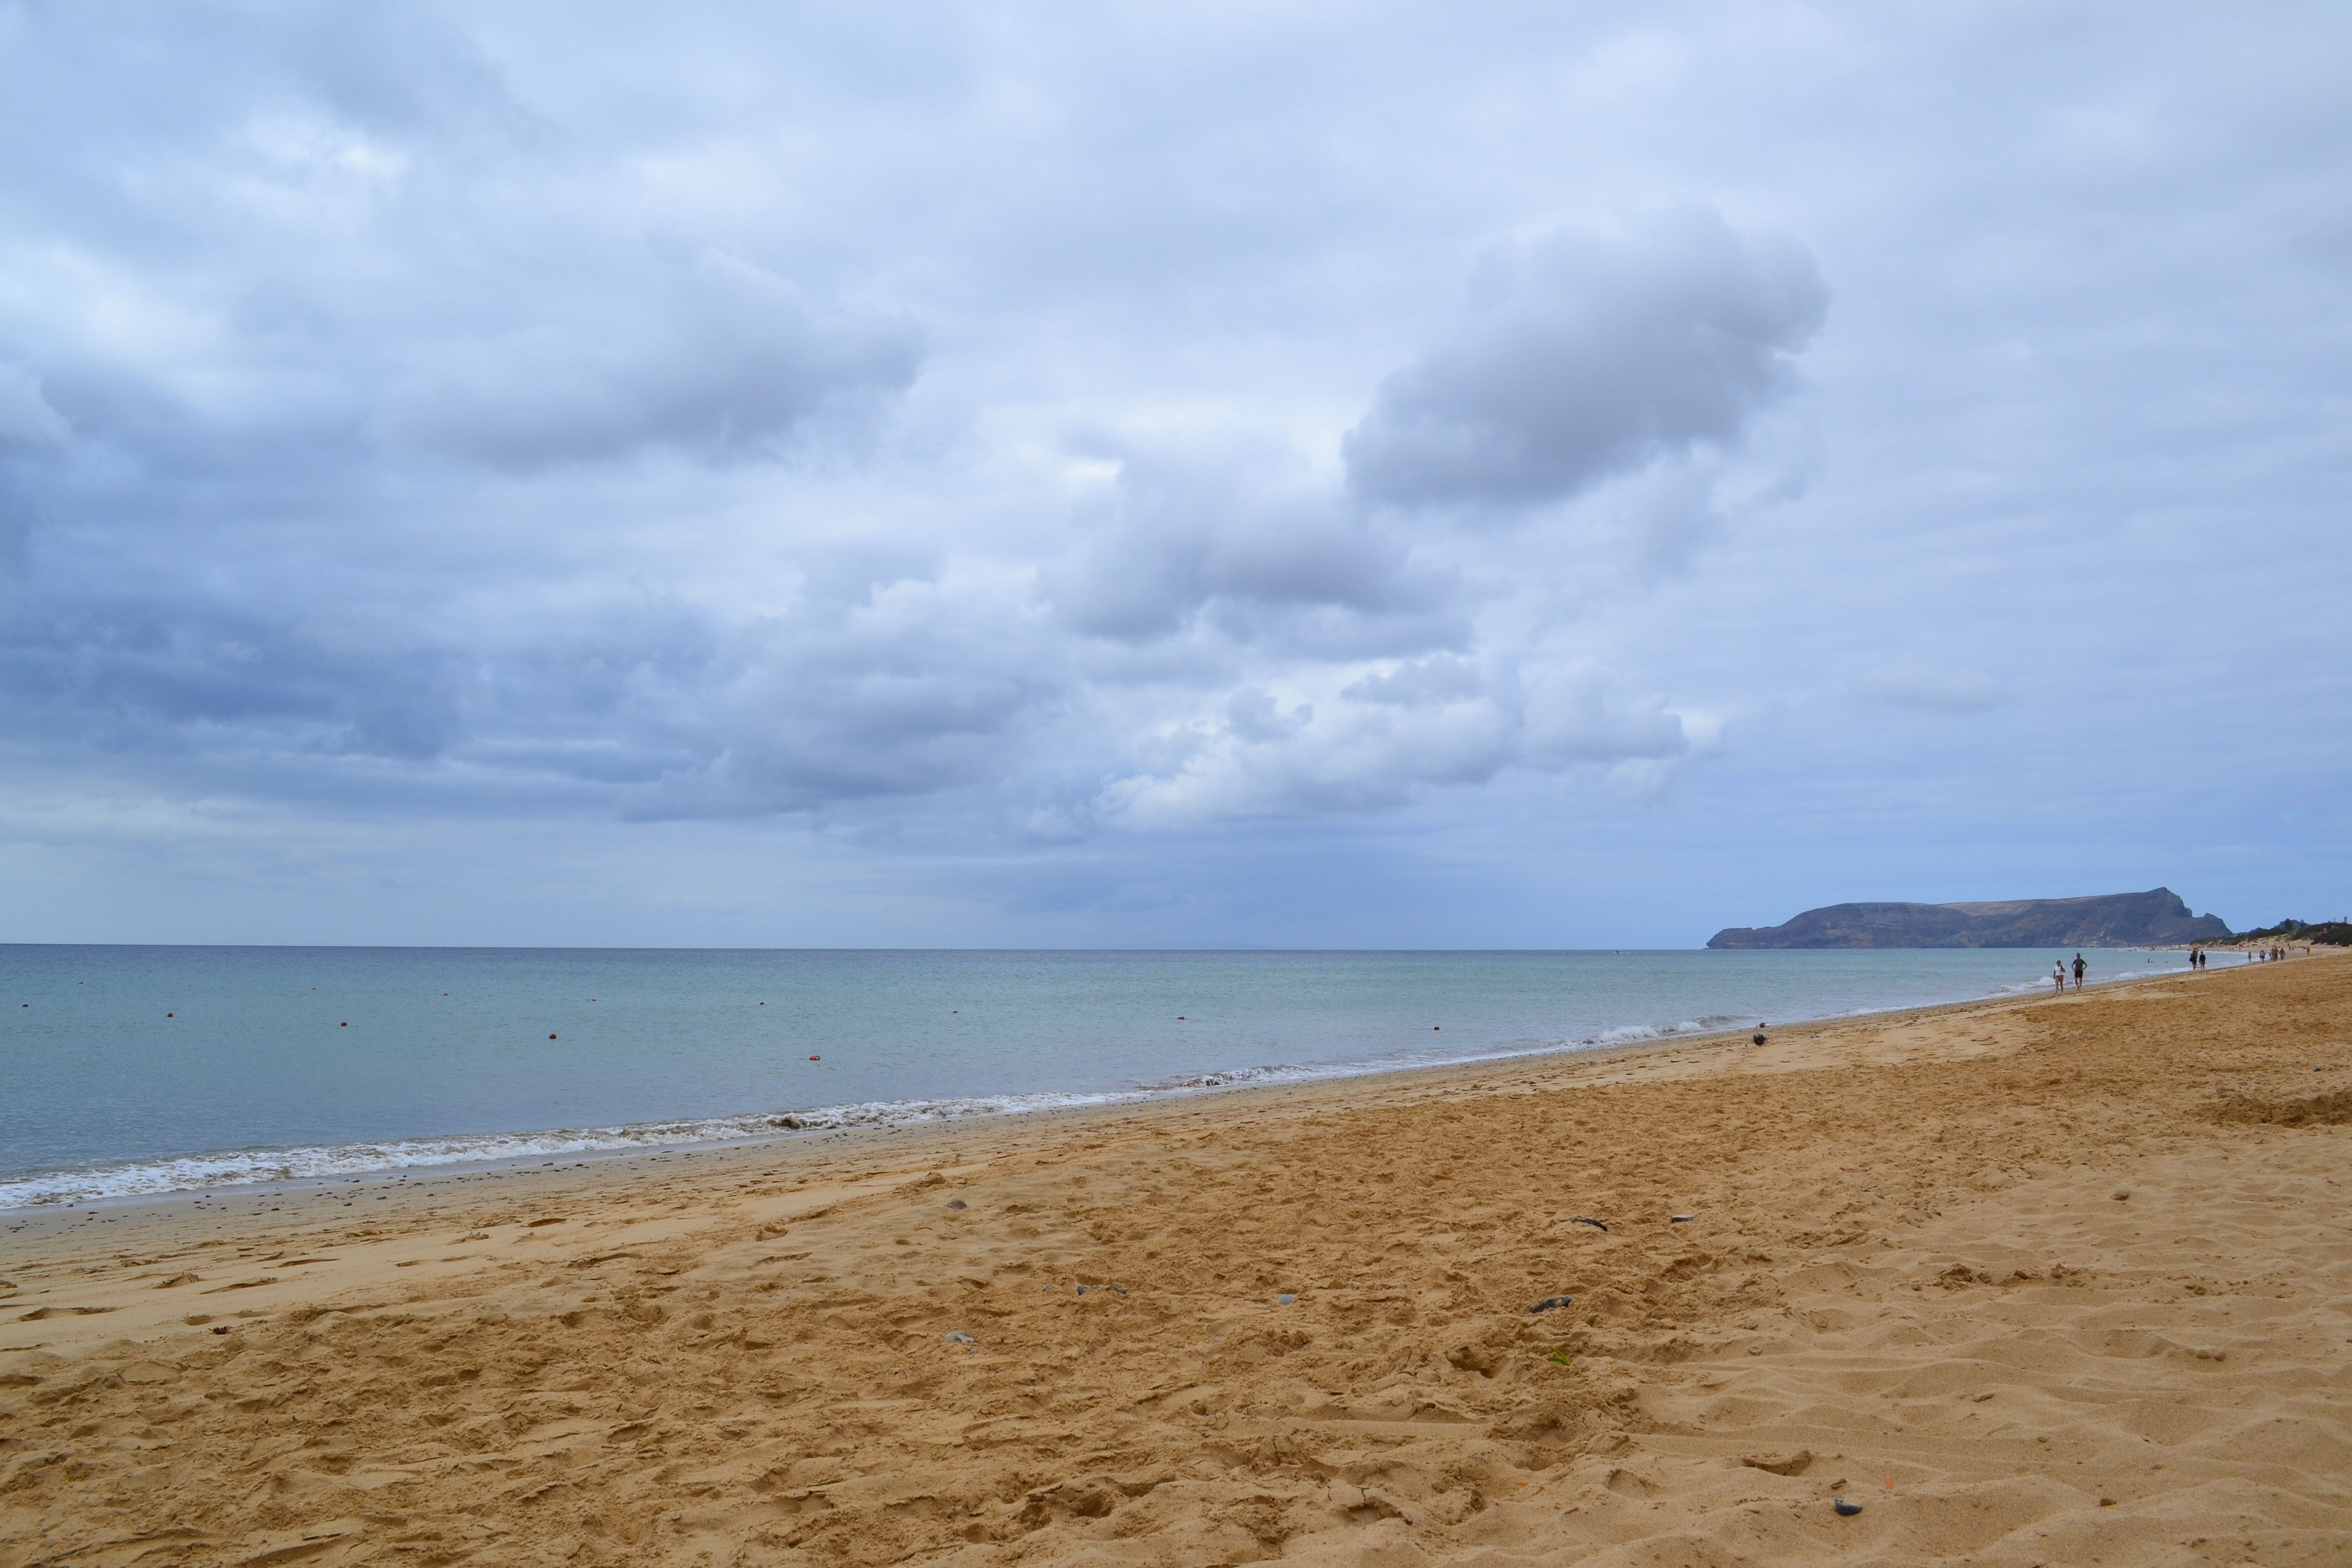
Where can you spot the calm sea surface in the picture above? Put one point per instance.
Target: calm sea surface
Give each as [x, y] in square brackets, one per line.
[128, 1070]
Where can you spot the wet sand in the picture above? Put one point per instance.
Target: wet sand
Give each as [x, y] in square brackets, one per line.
[2037, 1281]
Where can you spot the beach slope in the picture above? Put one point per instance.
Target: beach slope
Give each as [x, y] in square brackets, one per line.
[2052, 1281]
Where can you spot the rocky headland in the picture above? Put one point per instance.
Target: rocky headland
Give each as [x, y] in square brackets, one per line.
[2154, 918]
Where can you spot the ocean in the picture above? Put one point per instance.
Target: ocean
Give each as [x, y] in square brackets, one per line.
[138, 1071]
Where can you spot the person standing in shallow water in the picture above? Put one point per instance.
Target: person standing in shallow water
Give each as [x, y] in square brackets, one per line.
[2079, 968]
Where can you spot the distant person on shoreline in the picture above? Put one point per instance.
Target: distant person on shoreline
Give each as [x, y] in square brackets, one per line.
[2079, 968]
[2058, 975]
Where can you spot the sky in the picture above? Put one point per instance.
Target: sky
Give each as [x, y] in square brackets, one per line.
[1267, 475]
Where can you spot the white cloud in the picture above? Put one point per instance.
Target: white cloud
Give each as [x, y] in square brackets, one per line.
[710, 356]
[1086, 436]
[1390, 738]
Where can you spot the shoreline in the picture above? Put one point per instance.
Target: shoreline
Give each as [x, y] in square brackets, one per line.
[1107, 1100]
[910, 1139]
[2035, 1279]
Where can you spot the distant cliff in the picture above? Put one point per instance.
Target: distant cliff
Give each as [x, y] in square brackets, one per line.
[2107, 920]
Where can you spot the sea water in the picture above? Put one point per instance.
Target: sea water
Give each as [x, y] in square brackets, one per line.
[141, 1070]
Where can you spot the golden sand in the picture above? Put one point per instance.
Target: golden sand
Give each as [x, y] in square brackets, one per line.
[2047, 1281]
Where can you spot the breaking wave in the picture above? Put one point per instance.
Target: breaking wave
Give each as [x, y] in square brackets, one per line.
[133, 1179]
[245, 1167]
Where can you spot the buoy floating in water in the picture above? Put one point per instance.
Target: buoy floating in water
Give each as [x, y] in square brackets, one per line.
[816, 1058]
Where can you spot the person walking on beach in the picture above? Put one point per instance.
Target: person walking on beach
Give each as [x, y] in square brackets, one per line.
[2058, 975]
[2079, 968]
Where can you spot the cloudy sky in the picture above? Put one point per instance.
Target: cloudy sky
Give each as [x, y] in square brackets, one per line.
[1268, 474]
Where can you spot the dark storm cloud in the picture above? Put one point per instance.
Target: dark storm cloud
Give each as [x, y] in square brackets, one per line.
[825, 703]
[1582, 353]
[911, 691]
[176, 676]
[1948, 691]
[27, 420]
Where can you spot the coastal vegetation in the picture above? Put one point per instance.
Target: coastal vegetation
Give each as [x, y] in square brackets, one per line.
[2322, 933]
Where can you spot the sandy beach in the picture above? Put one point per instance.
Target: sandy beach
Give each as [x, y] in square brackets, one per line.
[2039, 1281]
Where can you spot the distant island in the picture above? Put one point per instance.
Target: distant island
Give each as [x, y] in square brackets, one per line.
[2156, 918]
